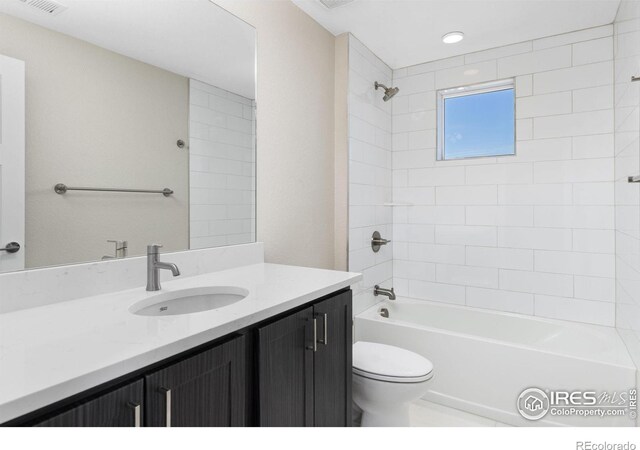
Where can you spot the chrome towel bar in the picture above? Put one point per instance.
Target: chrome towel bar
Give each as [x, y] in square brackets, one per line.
[635, 179]
[61, 188]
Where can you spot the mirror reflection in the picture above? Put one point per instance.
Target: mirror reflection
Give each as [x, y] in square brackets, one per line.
[124, 123]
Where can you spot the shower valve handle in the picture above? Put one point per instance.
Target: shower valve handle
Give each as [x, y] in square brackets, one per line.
[377, 241]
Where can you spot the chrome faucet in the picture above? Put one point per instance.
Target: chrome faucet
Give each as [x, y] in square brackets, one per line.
[153, 266]
[377, 290]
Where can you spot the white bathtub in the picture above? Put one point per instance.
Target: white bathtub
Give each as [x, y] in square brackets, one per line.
[483, 360]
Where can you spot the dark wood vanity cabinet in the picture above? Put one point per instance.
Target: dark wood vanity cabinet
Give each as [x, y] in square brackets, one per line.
[333, 363]
[304, 366]
[121, 407]
[285, 371]
[205, 390]
[290, 370]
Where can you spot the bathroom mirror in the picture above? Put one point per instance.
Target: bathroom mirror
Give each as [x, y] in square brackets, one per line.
[121, 97]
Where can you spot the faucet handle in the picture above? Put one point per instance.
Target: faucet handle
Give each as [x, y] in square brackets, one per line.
[121, 249]
[119, 244]
[153, 248]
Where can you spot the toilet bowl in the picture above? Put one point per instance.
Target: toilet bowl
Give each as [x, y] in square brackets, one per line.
[386, 379]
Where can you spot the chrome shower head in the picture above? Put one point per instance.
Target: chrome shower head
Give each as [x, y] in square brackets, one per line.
[388, 92]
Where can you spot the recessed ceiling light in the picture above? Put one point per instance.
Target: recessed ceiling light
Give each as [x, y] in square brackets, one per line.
[331, 4]
[453, 38]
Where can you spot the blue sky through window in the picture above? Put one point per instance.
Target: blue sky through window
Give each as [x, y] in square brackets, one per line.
[479, 125]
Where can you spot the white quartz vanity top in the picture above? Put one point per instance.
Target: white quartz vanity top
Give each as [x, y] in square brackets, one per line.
[54, 351]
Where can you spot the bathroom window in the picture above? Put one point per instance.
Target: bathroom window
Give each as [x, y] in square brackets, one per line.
[476, 121]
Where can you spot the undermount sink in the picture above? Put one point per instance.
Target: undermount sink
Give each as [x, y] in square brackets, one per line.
[187, 301]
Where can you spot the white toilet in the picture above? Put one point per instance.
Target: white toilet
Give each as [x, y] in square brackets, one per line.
[386, 379]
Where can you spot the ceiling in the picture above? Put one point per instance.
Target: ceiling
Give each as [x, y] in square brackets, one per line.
[193, 38]
[407, 32]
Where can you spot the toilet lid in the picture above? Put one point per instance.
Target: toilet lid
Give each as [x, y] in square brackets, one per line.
[389, 363]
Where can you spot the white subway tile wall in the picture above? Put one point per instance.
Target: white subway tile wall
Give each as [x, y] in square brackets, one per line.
[221, 167]
[627, 162]
[370, 171]
[532, 233]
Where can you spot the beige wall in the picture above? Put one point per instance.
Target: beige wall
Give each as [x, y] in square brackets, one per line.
[295, 119]
[96, 118]
[341, 95]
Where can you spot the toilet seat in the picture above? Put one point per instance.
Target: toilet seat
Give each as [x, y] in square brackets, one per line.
[391, 364]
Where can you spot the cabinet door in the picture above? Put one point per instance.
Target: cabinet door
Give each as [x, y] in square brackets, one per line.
[71, 418]
[121, 407]
[285, 371]
[205, 390]
[333, 361]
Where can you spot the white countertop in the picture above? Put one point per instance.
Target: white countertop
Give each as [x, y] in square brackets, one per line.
[54, 351]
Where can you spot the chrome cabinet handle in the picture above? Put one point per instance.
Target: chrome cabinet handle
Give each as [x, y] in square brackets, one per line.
[314, 347]
[315, 335]
[11, 247]
[136, 414]
[325, 330]
[167, 411]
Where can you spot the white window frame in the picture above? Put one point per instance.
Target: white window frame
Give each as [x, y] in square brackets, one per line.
[463, 91]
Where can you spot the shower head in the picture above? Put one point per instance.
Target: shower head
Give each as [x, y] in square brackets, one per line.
[388, 92]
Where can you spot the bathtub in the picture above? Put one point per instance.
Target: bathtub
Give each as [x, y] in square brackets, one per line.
[483, 359]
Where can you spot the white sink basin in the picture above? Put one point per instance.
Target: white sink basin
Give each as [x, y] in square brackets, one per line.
[188, 301]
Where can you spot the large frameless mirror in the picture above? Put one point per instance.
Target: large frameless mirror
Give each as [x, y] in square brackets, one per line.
[123, 122]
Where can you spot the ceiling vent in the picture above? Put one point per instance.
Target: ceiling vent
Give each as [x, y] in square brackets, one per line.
[48, 7]
[332, 4]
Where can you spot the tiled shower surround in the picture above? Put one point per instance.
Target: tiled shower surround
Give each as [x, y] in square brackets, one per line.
[532, 233]
[369, 172]
[627, 162]
[222, 167]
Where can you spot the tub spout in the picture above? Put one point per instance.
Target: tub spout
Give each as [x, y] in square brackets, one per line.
[377, 290]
